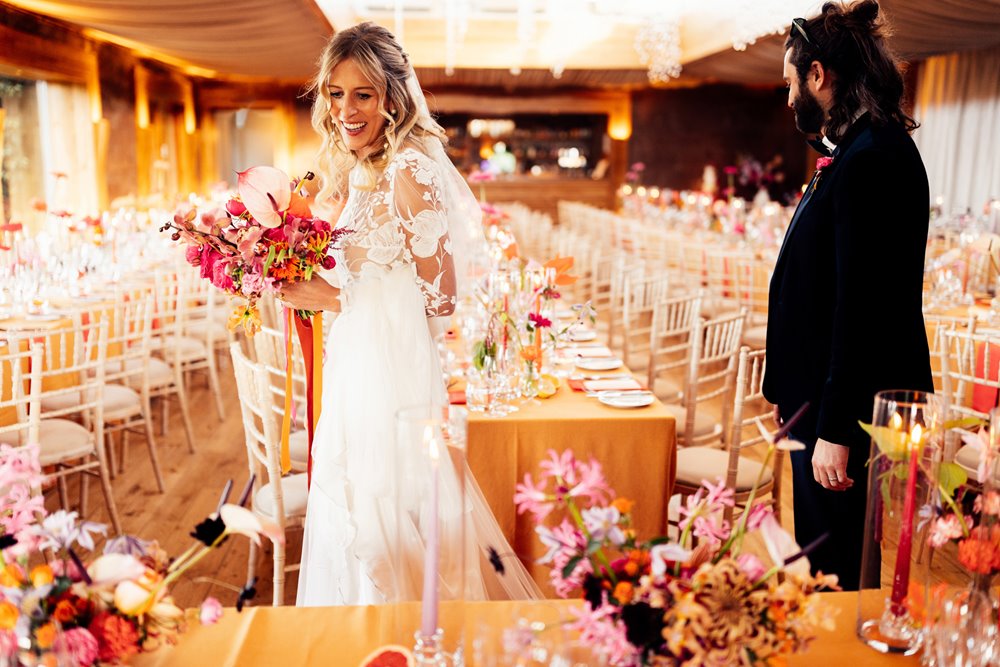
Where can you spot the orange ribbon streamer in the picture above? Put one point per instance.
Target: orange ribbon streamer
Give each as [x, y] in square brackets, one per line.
[286, 420]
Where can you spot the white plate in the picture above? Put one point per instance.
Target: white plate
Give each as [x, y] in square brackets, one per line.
[637, 400]
[582, 335]
[42, 317]
[599, 363]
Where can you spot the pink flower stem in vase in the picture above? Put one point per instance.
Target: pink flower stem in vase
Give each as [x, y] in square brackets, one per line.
[901, 578]
[429, 604]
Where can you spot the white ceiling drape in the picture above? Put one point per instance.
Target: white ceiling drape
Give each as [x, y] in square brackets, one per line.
[258, 38]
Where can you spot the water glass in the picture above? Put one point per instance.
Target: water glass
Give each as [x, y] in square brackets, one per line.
[962, 632]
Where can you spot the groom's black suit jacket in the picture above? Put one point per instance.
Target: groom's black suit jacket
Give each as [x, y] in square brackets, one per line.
[844, 314]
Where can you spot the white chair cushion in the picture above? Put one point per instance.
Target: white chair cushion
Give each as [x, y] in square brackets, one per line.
[294, 493]
[160, 372]
[119, 402]
[199, 329]
[190, 348]
[755, 337]
[696, 464]
[668, 389]
[298, 446]
[704, 424]
[59, 440]
[968, 458]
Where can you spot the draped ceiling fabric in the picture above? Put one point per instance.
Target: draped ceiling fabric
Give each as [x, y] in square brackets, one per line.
[921, 28]
[255, 38]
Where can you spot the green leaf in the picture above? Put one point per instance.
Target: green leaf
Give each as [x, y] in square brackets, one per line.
[593, 547]
[567, 571]
[950, 477]
[479, 355]
[885, 490]
[964, 423]
[658, 540]
[268, 260]
[890, 442]
[900, 472]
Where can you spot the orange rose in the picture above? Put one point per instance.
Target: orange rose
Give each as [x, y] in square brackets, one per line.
[8, 616]
[45, 635]
[65, 611]
[623, 592]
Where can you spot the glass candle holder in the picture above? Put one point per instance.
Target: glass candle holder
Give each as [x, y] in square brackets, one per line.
[902, 479]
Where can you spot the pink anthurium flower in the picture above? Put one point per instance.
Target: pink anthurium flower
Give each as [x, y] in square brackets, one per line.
[266, 193]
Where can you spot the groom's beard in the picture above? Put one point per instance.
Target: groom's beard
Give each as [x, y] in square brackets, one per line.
[809, 116]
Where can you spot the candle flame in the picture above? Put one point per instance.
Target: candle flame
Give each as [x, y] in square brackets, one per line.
[433, 449]
[916, 434]
[896, 421]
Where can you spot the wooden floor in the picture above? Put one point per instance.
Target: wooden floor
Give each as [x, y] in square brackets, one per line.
[193, 483]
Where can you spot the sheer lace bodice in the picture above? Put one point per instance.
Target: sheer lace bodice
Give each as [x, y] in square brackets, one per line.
[402, 222]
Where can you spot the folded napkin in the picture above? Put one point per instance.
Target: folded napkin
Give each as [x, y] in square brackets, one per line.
[588, 352]
[621, 384]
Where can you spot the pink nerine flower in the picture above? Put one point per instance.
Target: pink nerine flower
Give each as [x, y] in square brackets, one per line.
[605, 634]
[81, 647]
[561, 466]
[531, 497]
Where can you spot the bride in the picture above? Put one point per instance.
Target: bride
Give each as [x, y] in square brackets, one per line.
[413, 224]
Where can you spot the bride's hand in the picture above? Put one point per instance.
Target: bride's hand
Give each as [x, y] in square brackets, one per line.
[315, 294]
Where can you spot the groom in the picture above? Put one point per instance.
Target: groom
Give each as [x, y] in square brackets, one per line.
[844, 318]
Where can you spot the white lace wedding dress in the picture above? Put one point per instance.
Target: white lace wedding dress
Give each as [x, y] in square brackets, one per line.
[362, 542]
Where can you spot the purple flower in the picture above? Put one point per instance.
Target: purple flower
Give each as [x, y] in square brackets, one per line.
[602, 522]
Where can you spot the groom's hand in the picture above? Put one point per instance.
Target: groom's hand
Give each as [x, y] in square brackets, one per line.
[829, 464]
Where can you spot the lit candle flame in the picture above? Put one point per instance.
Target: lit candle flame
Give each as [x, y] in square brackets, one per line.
[896, 421]
[916, 434]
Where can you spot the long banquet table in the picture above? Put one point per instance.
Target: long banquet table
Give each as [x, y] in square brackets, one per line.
[636, 448]
[342, 636]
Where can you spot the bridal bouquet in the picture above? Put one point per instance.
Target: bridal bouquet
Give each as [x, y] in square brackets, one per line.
[266, 234]
[55, 608]
[668, 602]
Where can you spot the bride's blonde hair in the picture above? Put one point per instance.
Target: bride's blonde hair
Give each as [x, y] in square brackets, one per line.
[383, 62]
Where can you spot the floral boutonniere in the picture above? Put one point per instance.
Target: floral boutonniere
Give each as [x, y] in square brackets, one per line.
[821, 164]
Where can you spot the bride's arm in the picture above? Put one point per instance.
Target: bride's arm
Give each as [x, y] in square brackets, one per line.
[424, 222]
[315, 294]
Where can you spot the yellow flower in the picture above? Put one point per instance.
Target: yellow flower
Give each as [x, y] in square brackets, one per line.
[11, 576]
[41, 575]
[8, 616]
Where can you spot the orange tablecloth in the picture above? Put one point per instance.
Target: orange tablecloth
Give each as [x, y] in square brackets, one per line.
[637, 448]
[342, 636]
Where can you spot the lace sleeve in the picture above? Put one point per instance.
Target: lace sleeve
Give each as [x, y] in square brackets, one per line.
[419, 207]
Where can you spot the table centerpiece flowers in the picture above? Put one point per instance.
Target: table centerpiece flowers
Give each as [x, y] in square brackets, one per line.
[699, 599]
[61, 606]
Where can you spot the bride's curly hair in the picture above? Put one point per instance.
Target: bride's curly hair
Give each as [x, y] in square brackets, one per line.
[850, 40]
[383, 62]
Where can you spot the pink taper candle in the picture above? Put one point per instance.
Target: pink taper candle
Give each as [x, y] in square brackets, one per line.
[429, 607]
[901, 577]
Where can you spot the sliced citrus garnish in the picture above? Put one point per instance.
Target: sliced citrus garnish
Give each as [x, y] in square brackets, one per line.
[548, 385]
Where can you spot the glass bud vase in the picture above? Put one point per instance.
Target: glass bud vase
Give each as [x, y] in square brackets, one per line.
[432, 547]
[905, 453]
